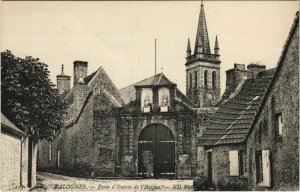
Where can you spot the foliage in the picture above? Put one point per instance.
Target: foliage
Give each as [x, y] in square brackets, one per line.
[28, 97]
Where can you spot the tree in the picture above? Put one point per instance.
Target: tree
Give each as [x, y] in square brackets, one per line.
[28, 97]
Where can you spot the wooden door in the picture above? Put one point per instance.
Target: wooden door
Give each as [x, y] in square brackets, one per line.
[156, 152]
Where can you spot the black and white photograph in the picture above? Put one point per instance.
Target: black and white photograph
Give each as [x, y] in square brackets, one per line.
[149, 95]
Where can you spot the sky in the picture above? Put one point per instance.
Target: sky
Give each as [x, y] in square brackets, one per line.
[119, 36]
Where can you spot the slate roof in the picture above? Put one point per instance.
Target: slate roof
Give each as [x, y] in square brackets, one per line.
[68, 96]
[232, 122]
[8, 126]
[129, 95]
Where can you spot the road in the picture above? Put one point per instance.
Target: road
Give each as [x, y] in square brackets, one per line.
[55, 182]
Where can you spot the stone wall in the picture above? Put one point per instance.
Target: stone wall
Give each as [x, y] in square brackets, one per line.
[284, 150]
[183, 127]
[204, 115]
[221, 179]
[74, 146]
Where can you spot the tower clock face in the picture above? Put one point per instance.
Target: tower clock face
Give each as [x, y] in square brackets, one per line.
[209, 96]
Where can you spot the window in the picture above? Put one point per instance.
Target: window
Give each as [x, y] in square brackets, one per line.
[205, 78]
[278, 124]
[191, 80]
[214, 78]
[259, 133]
[196, 79]
[263, 170]
[243, 162]
[259, 168]
[50, 152]
[184, 143]
[58, 159]
[238, 162]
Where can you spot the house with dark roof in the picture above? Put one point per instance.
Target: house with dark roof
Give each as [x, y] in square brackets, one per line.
[18, 158]
[251, 142]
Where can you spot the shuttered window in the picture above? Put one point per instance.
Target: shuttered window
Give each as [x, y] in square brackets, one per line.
[263, 170]
[266, 168]
[234, 162]
[238, 162]
[278, 124]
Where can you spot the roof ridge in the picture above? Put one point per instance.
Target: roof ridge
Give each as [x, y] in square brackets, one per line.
[159, 80]
[139, 81]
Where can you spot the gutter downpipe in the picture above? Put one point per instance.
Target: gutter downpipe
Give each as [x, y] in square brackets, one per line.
[21, 157]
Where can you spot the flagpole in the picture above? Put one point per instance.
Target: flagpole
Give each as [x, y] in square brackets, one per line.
[155, 56]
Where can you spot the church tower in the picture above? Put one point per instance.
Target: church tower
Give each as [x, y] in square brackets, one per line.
[203, 68]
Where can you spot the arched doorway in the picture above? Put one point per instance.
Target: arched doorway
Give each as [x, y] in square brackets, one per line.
[156, 152]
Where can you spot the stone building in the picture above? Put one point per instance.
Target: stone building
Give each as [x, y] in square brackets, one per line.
[18, 158]
[148, 129]
[273, 141]
[87, 144]
[158, 129]
[252, 141]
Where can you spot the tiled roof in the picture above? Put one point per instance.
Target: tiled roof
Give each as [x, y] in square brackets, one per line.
[128, 93]
[232, 122]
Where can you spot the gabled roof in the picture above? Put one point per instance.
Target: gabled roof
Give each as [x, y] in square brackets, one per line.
[68, 96]
[232, 122]
[129, 95]
[8, 126]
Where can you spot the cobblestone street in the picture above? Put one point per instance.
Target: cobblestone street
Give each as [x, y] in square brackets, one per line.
[65, 183]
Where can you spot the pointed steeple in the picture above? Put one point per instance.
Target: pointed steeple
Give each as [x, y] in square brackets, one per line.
[202, 39]
[216, 46]
[188, 49]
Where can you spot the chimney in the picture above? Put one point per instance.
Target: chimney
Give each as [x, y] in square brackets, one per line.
[235, 76]
[254, 69]
[63, 81]
[80, 71]
[80, 87]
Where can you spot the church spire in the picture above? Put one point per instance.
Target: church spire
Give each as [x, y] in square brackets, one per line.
[202, 40]
[188, 49]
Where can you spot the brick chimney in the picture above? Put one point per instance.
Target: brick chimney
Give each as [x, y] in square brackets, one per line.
[80, 87]
[254, 69]
[235, 76]
[63, 81]
[80, 71]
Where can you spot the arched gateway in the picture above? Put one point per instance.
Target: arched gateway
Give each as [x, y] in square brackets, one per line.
[156, 152]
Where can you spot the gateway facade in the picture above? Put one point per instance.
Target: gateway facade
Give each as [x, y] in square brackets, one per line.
[148, 129]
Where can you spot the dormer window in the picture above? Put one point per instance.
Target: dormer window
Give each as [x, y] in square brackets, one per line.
[146, 100]
[164, 99]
